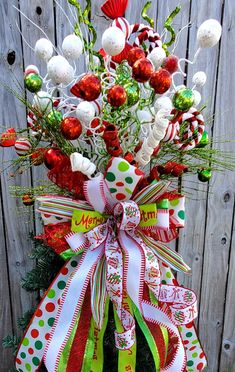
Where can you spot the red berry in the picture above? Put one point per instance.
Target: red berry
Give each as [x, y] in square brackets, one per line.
[71, 128]
[28, 199]
[170, 63]
[142, 70]
[160, 81]
[135, 54]
[117, 96]
[38, 156]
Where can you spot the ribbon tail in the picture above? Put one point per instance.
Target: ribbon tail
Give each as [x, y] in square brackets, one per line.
[126, 358]
[98, 335]
[70, 307]
[41, 323]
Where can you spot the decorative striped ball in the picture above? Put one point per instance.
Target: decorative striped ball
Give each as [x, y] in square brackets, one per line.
[22, 146]
[124, 25]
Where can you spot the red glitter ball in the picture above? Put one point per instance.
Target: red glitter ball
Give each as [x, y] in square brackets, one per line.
[88, 88]
[170, 63]
[135, 54]
[116, 96]
[160, 81]
[142, 70]
[71, 128]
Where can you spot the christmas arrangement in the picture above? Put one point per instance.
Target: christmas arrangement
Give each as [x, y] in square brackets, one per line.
[116, 140]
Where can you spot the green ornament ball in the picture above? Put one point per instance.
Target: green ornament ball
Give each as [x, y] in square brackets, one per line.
[133, 92]
[204, 175]
[183, 99]
[54, 118]
[33, 82]
[204, 140]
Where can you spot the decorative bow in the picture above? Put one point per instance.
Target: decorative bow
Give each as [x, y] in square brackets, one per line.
[118, 261]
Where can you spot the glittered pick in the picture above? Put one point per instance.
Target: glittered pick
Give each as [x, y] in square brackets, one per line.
[122, 178]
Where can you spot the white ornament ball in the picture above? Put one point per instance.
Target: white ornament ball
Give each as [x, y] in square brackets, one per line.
[157, 56]
[31, 69]
[72, 47]
[197, 97]
[178, 87]
[199, 79]
[44, 49]
[85, 112]
[42, 101]
[163, 102]
[209, 33]
[22, 146]
[59, 70]
[113, 41]
[144, 116]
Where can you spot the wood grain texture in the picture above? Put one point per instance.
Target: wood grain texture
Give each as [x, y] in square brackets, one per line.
[16, 227]
[207, 241]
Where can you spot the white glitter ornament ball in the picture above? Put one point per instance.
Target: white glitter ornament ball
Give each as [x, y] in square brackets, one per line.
[163, 102]
[31, 69]
[44, 49]
[72, 47]
[59, 70]
[157, 56]
[113, 41]
[199, 79]
[42, 101]
[95, 60]
[209, 33]
[22, 146]
[197, 97]
[85, 112]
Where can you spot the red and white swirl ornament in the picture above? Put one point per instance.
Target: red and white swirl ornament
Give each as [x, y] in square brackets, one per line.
[192, 134]
[22, 146]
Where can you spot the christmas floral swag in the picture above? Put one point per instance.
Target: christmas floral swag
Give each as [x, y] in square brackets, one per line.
[111, 214]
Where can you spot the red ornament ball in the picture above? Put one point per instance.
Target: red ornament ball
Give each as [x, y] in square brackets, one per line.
[28, 199]
[160, 81]
[170, 64]
[8, 138]
[116, 96]
[37, 156]
[22, 146]
[53, 157]
[142, 70]
[88, 88]
[135, 54]
[71, 128]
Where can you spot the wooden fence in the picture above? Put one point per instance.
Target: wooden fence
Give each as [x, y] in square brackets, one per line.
[206, 243]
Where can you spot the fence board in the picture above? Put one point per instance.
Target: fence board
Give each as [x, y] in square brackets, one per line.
[13, 114]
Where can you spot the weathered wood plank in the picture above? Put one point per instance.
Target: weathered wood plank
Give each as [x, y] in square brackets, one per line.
[226, 89]
[42, 14]
[218, 230]
[13, 114]
[192, 237]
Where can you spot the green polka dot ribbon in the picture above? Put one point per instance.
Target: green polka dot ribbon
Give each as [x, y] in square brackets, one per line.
[32, 347]
[122, 178]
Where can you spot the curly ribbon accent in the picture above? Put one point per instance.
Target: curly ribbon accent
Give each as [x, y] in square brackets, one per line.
[170, 29]
[145, 16]
[157, 133]
[82, 164]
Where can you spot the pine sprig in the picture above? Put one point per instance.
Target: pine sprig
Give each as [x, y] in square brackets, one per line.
[11, 342]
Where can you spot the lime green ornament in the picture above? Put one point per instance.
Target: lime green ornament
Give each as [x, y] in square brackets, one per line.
[54, 118]
[133, 92]
[33, 82]
[204, 175]
[183, 99]
[204, 141]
